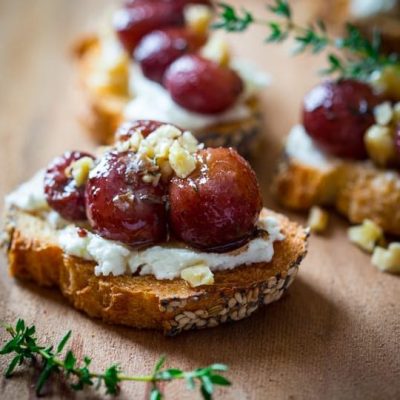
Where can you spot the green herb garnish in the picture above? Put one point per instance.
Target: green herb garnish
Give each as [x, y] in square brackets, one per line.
[24, 346]
[350, 56]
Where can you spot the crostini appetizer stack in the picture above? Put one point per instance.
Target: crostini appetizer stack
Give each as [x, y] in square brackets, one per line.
[157, 231]
[158, 60]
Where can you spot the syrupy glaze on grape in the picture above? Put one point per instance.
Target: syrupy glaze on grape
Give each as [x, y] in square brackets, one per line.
[133, 23]
[144, 127]
[121, 206]
[155, 35]
[139, 17]
[157, 50]
[337, 114]
[217, 206]
[208, 198]
[62, 193]
[201, 85]
[397, 138]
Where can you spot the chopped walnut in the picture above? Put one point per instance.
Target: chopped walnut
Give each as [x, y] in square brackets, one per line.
[318, 220]
[366, 236]
[198, 17]
[217, 49]
[198, 275]
[387, 260]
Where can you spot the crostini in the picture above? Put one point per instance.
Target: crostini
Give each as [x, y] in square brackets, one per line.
[345, 154]
[157, 60]
[156, 232]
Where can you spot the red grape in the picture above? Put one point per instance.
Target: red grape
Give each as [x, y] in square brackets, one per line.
[62, 193]
[201, 85]
[397, 138]
[336, 114]
[218, 204]
[157, 50]
[178, 4]
[133, 23]
[120, 205]
[145, 127]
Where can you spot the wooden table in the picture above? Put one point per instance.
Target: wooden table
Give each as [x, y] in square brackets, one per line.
[335, 336]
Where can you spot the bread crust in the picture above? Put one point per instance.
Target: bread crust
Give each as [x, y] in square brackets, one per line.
[357, 189]
[103, 113]
[143, 301]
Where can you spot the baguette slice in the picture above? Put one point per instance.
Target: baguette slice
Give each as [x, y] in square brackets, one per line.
[103, 111]
[143, 301]
[357, 189]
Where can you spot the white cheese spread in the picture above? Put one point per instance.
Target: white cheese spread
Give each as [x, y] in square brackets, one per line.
[301, 147]
[30, 195]
[152, 101]
[163, 261]
[369, 8]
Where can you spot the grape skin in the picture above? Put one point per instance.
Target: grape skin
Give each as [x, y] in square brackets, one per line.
[218, 205]
[337, 114]
[157, 50]
[201, 85]
[121, 206]
[61, 191]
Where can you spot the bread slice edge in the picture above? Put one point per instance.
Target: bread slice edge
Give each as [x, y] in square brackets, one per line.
[143, 301]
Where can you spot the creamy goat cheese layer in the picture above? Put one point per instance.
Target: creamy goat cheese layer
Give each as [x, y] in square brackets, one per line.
[163, 261]
[301, 147]
[369, 8]
[152, 101]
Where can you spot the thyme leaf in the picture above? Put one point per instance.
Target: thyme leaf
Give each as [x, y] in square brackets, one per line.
[350, 56]
[24, 344]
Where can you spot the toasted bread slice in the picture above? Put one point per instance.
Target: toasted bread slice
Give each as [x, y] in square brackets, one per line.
[357, 189]
[144, 301]
[103, 110]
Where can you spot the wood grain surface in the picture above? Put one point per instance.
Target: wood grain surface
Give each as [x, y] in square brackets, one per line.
[335, 336]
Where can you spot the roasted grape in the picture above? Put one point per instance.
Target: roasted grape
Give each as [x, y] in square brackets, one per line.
[201, 85]
[217, 206]
[337, 114]
[397, 137]
[61, 191]
[134, 22]
[120, 205]
[145, 127]
[157, 50]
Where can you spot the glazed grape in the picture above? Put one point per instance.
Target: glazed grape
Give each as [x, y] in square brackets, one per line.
[178, 4]
[336, 114]
[62, 193]
[145, 127]
[397, 137]
[201, 85]
[157, 50]
[120, 205]
[132, 23]
[218, 205]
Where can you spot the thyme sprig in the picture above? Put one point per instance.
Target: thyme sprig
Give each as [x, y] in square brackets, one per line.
[24, 346]
[352, 55]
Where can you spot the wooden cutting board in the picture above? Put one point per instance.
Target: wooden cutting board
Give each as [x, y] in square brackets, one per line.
[336, 335]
